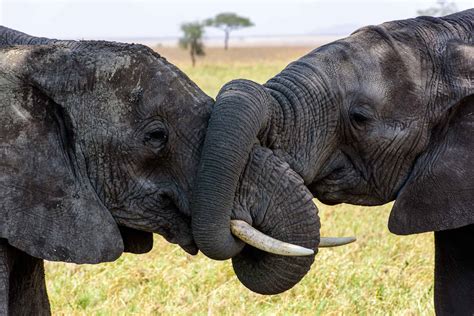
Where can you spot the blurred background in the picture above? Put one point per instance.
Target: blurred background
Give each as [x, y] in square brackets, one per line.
[380, 274]
[158, 21]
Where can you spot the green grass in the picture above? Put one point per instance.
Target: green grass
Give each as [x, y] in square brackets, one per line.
[380, 274]
[206, 76]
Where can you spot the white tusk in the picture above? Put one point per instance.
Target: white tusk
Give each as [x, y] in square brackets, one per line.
[259, 240]
[335, 241]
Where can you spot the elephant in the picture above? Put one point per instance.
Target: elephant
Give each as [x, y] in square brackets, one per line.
[99, 147]
[385, 114]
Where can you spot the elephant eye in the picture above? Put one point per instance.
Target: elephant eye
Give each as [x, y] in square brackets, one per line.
[156, 138]
[359, 116]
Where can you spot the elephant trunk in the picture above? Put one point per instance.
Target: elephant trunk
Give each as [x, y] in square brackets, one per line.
[280, 206]
[14, 37]
[238, 179]
[240, 113]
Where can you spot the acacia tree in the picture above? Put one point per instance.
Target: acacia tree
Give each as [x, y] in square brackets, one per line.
[192, 39]
[228, 22]
[442, 7]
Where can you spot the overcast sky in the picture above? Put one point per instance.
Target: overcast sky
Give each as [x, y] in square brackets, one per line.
[161, 18]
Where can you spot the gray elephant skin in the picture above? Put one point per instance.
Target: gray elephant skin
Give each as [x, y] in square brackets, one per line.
[99, 143]
[384, 114]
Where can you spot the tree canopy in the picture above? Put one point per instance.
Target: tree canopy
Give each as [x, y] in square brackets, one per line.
[228, 22]
[442, 7]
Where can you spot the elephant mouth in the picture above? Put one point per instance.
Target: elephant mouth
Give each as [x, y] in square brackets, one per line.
[340, 183]
[177, 230]
[351, 189]
[164, 213]
[344, 182]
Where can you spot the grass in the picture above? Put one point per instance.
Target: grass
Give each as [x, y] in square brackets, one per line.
[380, 274]
[219, 66]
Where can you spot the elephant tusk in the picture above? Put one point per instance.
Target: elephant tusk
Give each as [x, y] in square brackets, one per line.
[335, 241]
[259, 240]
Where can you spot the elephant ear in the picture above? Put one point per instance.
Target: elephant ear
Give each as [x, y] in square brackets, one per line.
[48, 207]
[439, 194]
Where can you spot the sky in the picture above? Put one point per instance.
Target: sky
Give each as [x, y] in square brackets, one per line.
[109, 19]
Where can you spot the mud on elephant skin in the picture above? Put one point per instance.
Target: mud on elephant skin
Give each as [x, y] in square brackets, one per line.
[383, 114]
[99, 147]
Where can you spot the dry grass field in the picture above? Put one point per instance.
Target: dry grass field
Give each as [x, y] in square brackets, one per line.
[380, 274]
[219, 66]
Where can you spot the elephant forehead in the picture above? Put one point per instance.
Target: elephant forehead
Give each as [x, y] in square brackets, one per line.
[347, 63]
[171, 94]
[106, 68]
[369, 70]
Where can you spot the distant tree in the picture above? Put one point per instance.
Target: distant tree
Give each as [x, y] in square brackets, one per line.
[442, 7]
[228, 22]
[192, 39]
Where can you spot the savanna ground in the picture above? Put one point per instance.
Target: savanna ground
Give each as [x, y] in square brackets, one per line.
[380, 274]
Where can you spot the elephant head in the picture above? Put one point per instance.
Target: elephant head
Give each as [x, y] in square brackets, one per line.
[95, 134]
[381, 115]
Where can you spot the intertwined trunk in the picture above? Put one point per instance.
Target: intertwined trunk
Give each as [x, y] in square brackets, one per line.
[274, 200]
[288, 116]
[232, 131]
